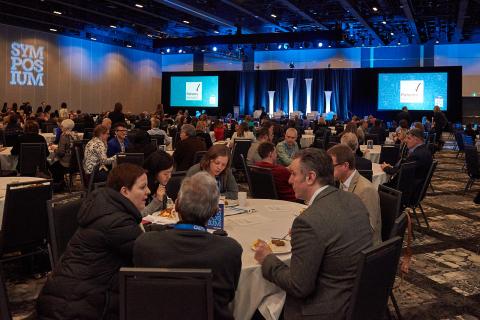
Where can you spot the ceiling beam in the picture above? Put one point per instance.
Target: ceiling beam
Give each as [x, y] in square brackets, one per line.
[242, 9]
[462, 9]
[193, 11]
[292, 7]
[347, 6]
[407, 10]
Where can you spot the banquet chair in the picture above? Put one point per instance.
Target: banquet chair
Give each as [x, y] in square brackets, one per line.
[389, 154]
[399, 227]
[158, 138]
[173, 185]
[79, 154]
[247, 172]
[62, 222]
[372, 288]
[473, 166]
[97, 185]
[263, 184]
[460, 143]
[48, 127]
[404, 184]
[32, 159]
[25, 223]
[5, 309]
[372, 136]
[418, 196]
[134, 158]
[368, 174]
[390, 208]
[160, 293]
[240, 146]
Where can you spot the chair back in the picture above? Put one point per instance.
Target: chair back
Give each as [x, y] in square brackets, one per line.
[389, 154]
[48, 127]
[88, 133]
[173, 185]
[5, 314]
[399, 227]
[419, 196]
[263, 184]
[368, 174]
[32, 159]
[79, 127]
[157, 293]
[159, 138]
[97, 185]
[62, 222]
[240, 146]
[372, 136]
[472, 162]
[25, 223]
[247, 172]
[79, 154]
[390, 208]
[135, 158]
[459, 140]
[372, 288]
[406, 177]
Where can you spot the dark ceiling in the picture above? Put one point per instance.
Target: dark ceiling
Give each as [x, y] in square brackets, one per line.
[137, 23]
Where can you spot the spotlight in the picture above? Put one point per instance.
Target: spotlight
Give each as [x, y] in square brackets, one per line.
[375, 9]
[53, 30]
[214, 49]
[113, 27]
[279, 47]
[384, 21]
[186, 21]
[129, 45]
[138, 5]
[94, 39]
[392, 34]
[286, 46]
[399, 43]
[320, 44]
[180, 50]
[216, 31]
[436, 41]
[57, 12]
[168, 50]
[273, 15]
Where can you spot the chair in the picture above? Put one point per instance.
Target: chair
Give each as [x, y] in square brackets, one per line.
[157, 293]
[5, 310]
[262, 183]
[418, 197]
[240, 146]
[198, 156]
[74, 167]
[389, 154]
[135, 158]
[406, 176]
[247, 172]
[62, 222]
[399, 227]
[88, 133]
[79, 127]
[79, 154]
[48, 127]
[460, 143]
[368, 174]
[473, 166]
[321, 140]
[159, 138]
[25, 223]
[372, 288]
[97, 185]
[390, 207]
[32, 159]
[173, 185]
[372, 136]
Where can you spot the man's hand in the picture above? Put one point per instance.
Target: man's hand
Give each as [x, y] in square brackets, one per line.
[262, 249]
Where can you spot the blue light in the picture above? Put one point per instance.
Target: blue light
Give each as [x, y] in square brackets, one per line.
[168, 50]
[214, 49]
[279, 47]
[320, 44]
[180, 51]
[286, 46]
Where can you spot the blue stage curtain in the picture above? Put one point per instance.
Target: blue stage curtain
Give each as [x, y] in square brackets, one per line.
[318, 91]
[341, 81]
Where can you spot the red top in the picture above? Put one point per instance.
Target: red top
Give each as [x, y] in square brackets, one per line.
[280, 176]
[219, 133]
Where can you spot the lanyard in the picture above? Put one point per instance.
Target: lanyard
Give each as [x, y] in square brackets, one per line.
[188, 226]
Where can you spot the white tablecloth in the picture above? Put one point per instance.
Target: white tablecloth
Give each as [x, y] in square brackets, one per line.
[7, 161]
[212, 135]
[3, 189]
[379, 177]
[272, 218]
[306, 140]
[372, 154]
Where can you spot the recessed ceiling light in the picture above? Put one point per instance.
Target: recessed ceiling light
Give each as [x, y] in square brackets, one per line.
[399, 43]
[295, 27]
[138, 5]
[52, 29]
[180, 50]
[186, 21]
[273, 15]
[129, 45]
[391, 33]
[57, 12]
[94, 39]
[375, 9]
[437, 41]
[384, 22]
[216, 31]
[149, 35]
[168, 50]
[113, 27]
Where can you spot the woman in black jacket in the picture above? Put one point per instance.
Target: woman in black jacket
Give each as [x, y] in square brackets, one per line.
[84, 283]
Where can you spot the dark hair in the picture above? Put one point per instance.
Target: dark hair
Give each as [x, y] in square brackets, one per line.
[217, 150]
[99, 130]
[263, 132]
[120, 124]
[124, 175]
[264, 149]
[118, 107]
[156, 162]
[31, 127]
[140, 137]
[343, 153]
[318, 161]
[47, 108]
[403, 123]
[242, 128]
[63, 105]
[39, 109]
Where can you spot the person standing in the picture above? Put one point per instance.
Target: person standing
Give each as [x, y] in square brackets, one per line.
[440, 122]
[117, 114]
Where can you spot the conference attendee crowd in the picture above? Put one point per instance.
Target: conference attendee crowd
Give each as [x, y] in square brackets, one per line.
[213, 155]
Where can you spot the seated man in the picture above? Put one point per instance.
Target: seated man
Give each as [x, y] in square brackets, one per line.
[351, 140]
[189, 245]
[417, 152]
[288, 147]
[120, 142]
[262, 136]
[280, 174]
[327, 239]
[156, 131]
[352, 181]
[188, 145]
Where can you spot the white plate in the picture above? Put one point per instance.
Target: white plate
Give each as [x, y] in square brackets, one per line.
[287, 248]
[231, 203]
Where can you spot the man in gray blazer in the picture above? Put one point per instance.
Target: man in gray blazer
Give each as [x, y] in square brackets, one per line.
[327, 239]
[351, 180]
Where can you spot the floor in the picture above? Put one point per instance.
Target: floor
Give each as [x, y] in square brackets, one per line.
[444, 277]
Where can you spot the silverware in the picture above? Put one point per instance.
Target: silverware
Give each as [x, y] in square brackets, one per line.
[282, 238]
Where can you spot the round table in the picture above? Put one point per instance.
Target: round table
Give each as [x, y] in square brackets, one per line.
[7, 161]
[50, 137]
[371, 154]
[379, 177]
[306, 140]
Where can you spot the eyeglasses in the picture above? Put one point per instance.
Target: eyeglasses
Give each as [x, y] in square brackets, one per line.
[338, 164]
[121, 130]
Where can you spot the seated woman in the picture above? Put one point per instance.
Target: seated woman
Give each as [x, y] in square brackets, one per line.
[189, 245]
[243, 132]
[84, 283]
[159, 166]
[219, 130]
[30, 135]
[96, 154]
[140, 143]
[217, 163]
[201, 130]
[63, 153]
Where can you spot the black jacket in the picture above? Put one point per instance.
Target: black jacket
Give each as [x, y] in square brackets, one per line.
[362, 163]
[195, 249]
[84, 284]
[423, 160]
[116, 117]
[184, 154]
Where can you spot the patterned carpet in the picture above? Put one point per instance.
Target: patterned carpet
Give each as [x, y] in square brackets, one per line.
[444, 278]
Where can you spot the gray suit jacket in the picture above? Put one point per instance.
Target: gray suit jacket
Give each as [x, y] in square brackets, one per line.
[327, 239]
[365, 190]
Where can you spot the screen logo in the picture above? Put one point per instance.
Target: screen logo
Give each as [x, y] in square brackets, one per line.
[411, 91]
[193, 91]
[26, 64]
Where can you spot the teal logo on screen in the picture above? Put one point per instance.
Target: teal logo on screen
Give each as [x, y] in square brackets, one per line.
[194, 91]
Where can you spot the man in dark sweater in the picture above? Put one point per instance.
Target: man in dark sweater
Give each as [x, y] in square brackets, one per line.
[189, 245]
